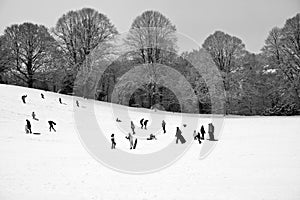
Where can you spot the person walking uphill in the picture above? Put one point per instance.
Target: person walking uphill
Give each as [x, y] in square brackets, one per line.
[142, 123]
[132, 127]
[145, 123]
[51, 123]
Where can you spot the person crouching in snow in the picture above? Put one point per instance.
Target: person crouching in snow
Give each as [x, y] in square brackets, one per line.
[152, 137]
[51, 123]
[197, 136]
[113, 143]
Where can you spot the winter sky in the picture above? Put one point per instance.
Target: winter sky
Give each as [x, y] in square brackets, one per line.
[250, 20]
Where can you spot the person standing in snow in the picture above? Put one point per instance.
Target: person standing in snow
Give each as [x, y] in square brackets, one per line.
[142, 123]
[34, 116]
[42, 95]
[211, 130]
[163, 124]
[145, 123]
[202, 132]
[113, 143]
[28, 126]
[132, 127]
[51, 124]
[59, 99]
[24, 98]
[77, 103]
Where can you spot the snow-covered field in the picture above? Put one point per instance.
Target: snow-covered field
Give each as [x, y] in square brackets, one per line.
[255, 157]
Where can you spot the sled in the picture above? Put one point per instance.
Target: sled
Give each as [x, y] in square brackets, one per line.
[135, 142]
[181, 139]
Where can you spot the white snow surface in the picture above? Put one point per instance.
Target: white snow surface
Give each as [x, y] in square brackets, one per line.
[255, 157]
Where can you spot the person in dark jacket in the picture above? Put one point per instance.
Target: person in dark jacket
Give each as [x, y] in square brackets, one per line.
[51, 124]
[24, 98]
[113, 142]
[28, 126]
[59, 99]
[142, 123]
[145, 123]
[163, 124]
[42, 95]
[197, 136]
[34, 116]
[202, 131]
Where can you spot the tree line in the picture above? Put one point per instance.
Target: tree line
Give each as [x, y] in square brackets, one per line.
[266, 83]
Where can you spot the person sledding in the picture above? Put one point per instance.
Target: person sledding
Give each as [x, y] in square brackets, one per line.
[152, 137]
[179, 136]
[51, 125]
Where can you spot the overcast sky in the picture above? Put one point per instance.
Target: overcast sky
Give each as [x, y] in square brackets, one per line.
[250, 20]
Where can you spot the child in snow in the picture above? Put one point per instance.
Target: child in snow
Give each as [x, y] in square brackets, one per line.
[197, 136]
[59, 99]
[24, 98]
[28, 126]
[118, 120]
[77, 103]
[113, 143]
[34, 116]
[145, 123]
[141, 122]
[42, 95]
[51, 123]
[163, 124]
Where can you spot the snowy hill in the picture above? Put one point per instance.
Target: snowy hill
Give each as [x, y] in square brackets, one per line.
[254, 157]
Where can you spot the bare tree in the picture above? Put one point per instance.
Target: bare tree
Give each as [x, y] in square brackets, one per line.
[29, 47]
[225, 50]
[282, 47]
